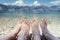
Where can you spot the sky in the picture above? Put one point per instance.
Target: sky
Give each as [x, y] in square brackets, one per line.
[30, 2]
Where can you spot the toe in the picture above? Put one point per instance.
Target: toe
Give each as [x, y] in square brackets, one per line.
[25, 25]
[44, 21]
[24, 22]
[34, 20]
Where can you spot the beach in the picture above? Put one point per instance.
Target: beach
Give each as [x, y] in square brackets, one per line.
[9, 20]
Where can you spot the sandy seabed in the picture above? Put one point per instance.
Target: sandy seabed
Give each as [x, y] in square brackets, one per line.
[7, 24]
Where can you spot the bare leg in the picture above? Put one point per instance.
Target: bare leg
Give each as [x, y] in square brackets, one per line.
[25, 27]
[45, 31]
[13, 34]
[35, 29]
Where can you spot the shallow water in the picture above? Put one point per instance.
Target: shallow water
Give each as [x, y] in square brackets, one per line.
[8, 20]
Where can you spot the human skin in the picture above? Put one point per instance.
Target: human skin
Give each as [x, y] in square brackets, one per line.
[25, 27]
[21, 26]
[45, 31]
[35, 29]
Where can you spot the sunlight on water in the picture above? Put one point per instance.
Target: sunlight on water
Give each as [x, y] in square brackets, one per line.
[8, 21]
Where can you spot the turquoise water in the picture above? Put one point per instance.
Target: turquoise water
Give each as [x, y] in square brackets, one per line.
[53, 19]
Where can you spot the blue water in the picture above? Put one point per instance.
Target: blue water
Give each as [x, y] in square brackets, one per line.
[53, 19]
[50, 16]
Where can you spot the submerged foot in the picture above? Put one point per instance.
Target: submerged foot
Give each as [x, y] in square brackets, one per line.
[35, 29]
[45, 31]
[43, 26]
[34, 25]
[25, 27]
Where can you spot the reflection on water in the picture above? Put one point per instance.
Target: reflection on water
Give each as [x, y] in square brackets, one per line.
[8, 20]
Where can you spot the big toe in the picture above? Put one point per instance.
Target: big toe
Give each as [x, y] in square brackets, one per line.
[25, 24]
[43, 22]
[34, 20]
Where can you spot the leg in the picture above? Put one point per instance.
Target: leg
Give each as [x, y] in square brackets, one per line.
[45, 31]
[43, 37]
[35, 30]
[25, 27]
[13, 34]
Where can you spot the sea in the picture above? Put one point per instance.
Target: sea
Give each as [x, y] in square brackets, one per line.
[9, 19]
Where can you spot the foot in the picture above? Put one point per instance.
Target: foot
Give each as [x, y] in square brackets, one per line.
[35, 25]
[43, 24]
[21, 25]
[45, 31]
[25, 27]
[35, 29]
[25, 24]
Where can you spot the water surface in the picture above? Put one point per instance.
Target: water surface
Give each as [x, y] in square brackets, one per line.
[8, 20]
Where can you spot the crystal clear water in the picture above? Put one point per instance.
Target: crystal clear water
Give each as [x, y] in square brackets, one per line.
[8, 20]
